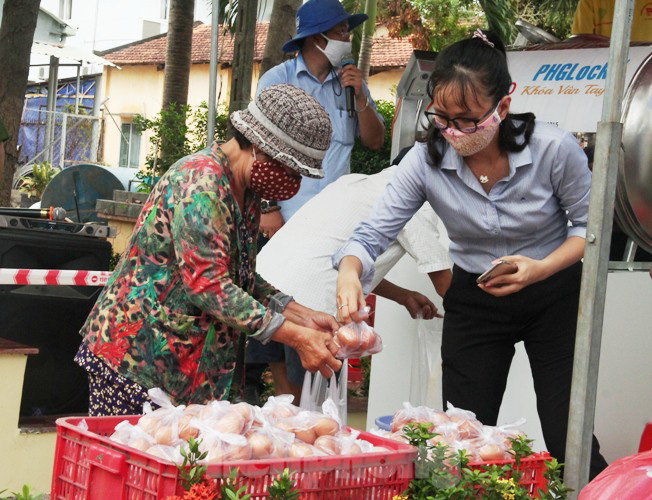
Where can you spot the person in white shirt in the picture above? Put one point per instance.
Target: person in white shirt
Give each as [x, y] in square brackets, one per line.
[298, 259]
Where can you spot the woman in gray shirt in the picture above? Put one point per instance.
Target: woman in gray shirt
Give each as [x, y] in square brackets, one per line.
[507, 188]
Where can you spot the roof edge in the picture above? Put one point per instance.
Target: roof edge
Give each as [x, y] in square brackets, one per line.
[138, 42]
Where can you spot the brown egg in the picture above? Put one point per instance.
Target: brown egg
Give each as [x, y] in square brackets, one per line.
[261, 445]
[149, 424]
[158, 452]
[399, 422]
[490, 452]
[367, 339]
[284, 426]
[376, 346]
[184, 421]
[215, 455]
[236, 452]
[165, 435]
[140, 444]
[188, 432]
[279, 450]
[231, 422]
[244, 409]
[282, 411]
[469, 429]
[354, 449]
[306, 435]
[206, 413]
[327, 444]
[347, 337]
[439, 418]
[193, 409]
[437, 439]
[326, 426]
[300, 450]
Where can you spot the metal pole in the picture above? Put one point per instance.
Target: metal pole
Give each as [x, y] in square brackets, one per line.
[62, 145]
[608, 154]
[77, 90]
[96, 122]
[212, 79]
[53, 80]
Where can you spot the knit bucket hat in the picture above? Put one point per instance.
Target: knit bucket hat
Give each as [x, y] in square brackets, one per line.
[288, 125]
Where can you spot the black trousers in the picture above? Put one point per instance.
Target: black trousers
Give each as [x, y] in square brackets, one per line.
[479, 335]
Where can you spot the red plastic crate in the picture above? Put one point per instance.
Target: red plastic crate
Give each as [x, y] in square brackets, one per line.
[88, 465]
[531, 469]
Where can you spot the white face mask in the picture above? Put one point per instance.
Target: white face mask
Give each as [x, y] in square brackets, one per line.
[335, 50]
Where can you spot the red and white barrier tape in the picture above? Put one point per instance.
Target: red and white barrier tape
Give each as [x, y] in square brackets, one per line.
[53, 277]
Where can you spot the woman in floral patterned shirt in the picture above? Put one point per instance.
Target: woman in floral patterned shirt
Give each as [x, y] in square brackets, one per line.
[186, 286]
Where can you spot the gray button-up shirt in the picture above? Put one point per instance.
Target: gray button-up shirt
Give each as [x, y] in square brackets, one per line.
[531, 212]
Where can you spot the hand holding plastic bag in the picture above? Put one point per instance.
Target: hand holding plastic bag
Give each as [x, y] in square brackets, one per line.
[356, 340]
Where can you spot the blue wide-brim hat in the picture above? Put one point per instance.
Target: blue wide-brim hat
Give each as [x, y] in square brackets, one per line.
[318, 16]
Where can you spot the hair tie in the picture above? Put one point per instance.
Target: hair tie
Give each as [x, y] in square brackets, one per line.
[479, 34]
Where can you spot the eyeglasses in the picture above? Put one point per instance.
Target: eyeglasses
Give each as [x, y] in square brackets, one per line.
[466, 125]
[343, 33]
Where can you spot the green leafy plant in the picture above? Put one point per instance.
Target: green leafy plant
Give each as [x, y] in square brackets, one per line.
[175, 132]
[367, 161]
[34, 185]
[361, 390]
[556, 487]
[190, 472]
[232, 489]
[283, 488]
[23, 494]
[146, 179]
[441, 474]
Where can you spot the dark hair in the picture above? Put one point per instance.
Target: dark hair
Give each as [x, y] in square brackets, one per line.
[473, 65]
[243, 142]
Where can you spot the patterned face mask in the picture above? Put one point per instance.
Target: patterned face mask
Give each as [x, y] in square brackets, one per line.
[469, 143]
[270, 181]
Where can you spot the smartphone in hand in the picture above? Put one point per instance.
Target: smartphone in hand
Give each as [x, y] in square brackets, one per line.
[499, 268]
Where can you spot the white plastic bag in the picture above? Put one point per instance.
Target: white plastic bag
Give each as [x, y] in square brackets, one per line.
[356, 340]
[425, 379]
[316, 390]
[279, 407]
[162, 423]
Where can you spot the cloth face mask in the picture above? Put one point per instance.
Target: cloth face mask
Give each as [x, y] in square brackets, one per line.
[270, 181]
[335, 50]
[469, 143]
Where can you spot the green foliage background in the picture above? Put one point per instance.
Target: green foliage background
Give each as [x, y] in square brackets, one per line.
[367, 161]
[177, 132]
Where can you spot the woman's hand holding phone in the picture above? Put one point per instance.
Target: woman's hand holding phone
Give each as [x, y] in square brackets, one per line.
[499, 268]
[510, 274]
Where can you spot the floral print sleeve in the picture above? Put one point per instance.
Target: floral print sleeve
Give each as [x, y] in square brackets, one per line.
[263, 291]
[199, 228]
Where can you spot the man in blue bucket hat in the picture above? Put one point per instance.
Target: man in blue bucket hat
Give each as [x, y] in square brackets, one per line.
[323, 43]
